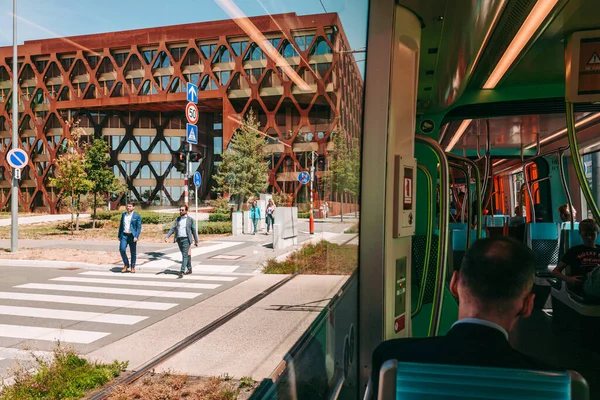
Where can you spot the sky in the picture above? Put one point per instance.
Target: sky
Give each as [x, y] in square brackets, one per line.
[42, 19]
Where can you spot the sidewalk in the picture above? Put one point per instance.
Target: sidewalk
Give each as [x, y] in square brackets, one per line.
[243, 254]
[41, 218]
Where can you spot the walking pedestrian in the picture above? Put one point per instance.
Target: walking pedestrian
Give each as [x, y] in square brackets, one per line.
[255, 215]
[129, 233]
[185, 232]
[270, 217]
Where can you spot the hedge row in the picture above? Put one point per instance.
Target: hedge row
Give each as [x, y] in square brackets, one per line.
[304, 215]
[214, 228]
[148, 217]
[219, 217]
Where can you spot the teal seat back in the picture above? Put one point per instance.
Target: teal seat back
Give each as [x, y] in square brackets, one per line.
[494, 221]
[458, 226]
[416, 381]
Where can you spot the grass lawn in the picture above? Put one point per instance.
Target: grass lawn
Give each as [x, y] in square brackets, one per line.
[323, 258]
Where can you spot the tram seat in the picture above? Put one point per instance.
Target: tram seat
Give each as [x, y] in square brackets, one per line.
[458, 244]
[573, 311]
[517, 231]
[458, 226]
[494, 220]
[412, 381]
[542, 238]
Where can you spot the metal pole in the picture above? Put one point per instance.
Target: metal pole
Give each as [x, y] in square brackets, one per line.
[563, 181]
[430, 214]
[526, 180]
[186, 198]
[578, 163]
[478, 196]
[467, 173]
[14, 197]
[196, 200]
[312, 178]
[440, 280]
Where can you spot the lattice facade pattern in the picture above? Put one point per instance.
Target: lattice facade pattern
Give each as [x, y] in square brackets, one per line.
[129, 88]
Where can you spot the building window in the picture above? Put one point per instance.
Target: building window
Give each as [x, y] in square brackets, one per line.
[218, 145]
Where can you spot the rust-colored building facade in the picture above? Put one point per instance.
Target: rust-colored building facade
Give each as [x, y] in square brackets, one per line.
[129, 87]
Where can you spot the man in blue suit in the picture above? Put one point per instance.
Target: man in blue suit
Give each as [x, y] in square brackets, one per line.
[129, 233]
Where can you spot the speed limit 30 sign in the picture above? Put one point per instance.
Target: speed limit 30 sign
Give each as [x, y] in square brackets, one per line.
[191, 113]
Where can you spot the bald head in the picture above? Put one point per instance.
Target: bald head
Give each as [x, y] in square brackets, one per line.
[498, 269]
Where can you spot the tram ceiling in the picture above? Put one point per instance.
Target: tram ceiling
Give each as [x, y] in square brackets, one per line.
[508, 134]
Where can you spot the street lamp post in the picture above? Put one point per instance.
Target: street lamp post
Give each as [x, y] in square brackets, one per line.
[14, 198]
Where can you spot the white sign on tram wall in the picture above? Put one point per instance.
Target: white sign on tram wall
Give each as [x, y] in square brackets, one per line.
[583, 67]
[404, 196]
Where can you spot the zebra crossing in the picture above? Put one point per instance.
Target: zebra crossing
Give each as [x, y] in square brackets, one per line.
[85, 308]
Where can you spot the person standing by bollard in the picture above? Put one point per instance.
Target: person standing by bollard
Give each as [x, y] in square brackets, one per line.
[325, 209]
[185, 232]
[270, 218]
[254, 215]
[129, 232]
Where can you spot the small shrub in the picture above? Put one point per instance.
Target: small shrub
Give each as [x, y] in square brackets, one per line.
[352, 229]
[106, 215]
[68, 376]
[304, 215]
[214, 228]
[150, 217]
[219, 217]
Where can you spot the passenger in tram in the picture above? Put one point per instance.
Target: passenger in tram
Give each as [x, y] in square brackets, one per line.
[565, 214]
[493, 286]
[580, 260]
[540, 212]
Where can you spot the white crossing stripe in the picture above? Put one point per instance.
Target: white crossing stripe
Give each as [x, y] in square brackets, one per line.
[18, 354]
[51, 334]
[99, 289]
[182, 285]
[175, 257]
[84, 316]
[87, 301]
[215, 268]
[162, 276]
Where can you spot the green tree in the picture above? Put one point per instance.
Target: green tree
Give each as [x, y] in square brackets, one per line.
[71, 177]
[243, 171]
[102, 177]
[343, 176]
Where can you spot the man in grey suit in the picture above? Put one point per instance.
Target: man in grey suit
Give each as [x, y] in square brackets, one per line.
[184, 233]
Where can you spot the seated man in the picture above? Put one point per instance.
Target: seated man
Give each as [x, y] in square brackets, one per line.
[565, 214]
[493, 286]
[581, 260]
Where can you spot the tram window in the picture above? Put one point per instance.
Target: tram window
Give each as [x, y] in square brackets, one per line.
[258, 101]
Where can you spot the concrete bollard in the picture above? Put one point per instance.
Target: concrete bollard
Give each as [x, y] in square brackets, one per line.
[236, 223]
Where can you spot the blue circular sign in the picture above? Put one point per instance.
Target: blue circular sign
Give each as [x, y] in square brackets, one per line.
[17, 158]
[197, 179]
[304, 177]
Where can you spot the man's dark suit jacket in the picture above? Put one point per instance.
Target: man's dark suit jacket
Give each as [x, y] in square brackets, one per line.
[465, 344]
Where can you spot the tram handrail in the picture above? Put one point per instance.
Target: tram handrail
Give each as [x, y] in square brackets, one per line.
[438, 296]
[467, 173]
[527, 185]
[578, 163]
[428, 239]
[563, 181]
[477, 188]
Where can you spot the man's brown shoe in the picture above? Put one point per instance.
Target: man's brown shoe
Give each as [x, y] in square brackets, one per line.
[125, 269]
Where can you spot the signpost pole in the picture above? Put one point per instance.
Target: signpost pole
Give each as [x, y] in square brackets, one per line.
[196, 201]
[14, 198]
[312, 178]
[185, 181]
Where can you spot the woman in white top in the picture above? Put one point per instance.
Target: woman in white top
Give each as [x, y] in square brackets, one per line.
[270, 218]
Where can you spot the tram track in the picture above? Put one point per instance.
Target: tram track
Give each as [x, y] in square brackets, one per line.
[191, 339]
[196, 336]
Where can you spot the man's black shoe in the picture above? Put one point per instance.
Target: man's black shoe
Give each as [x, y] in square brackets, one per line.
[189, 271]
[180, 274]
